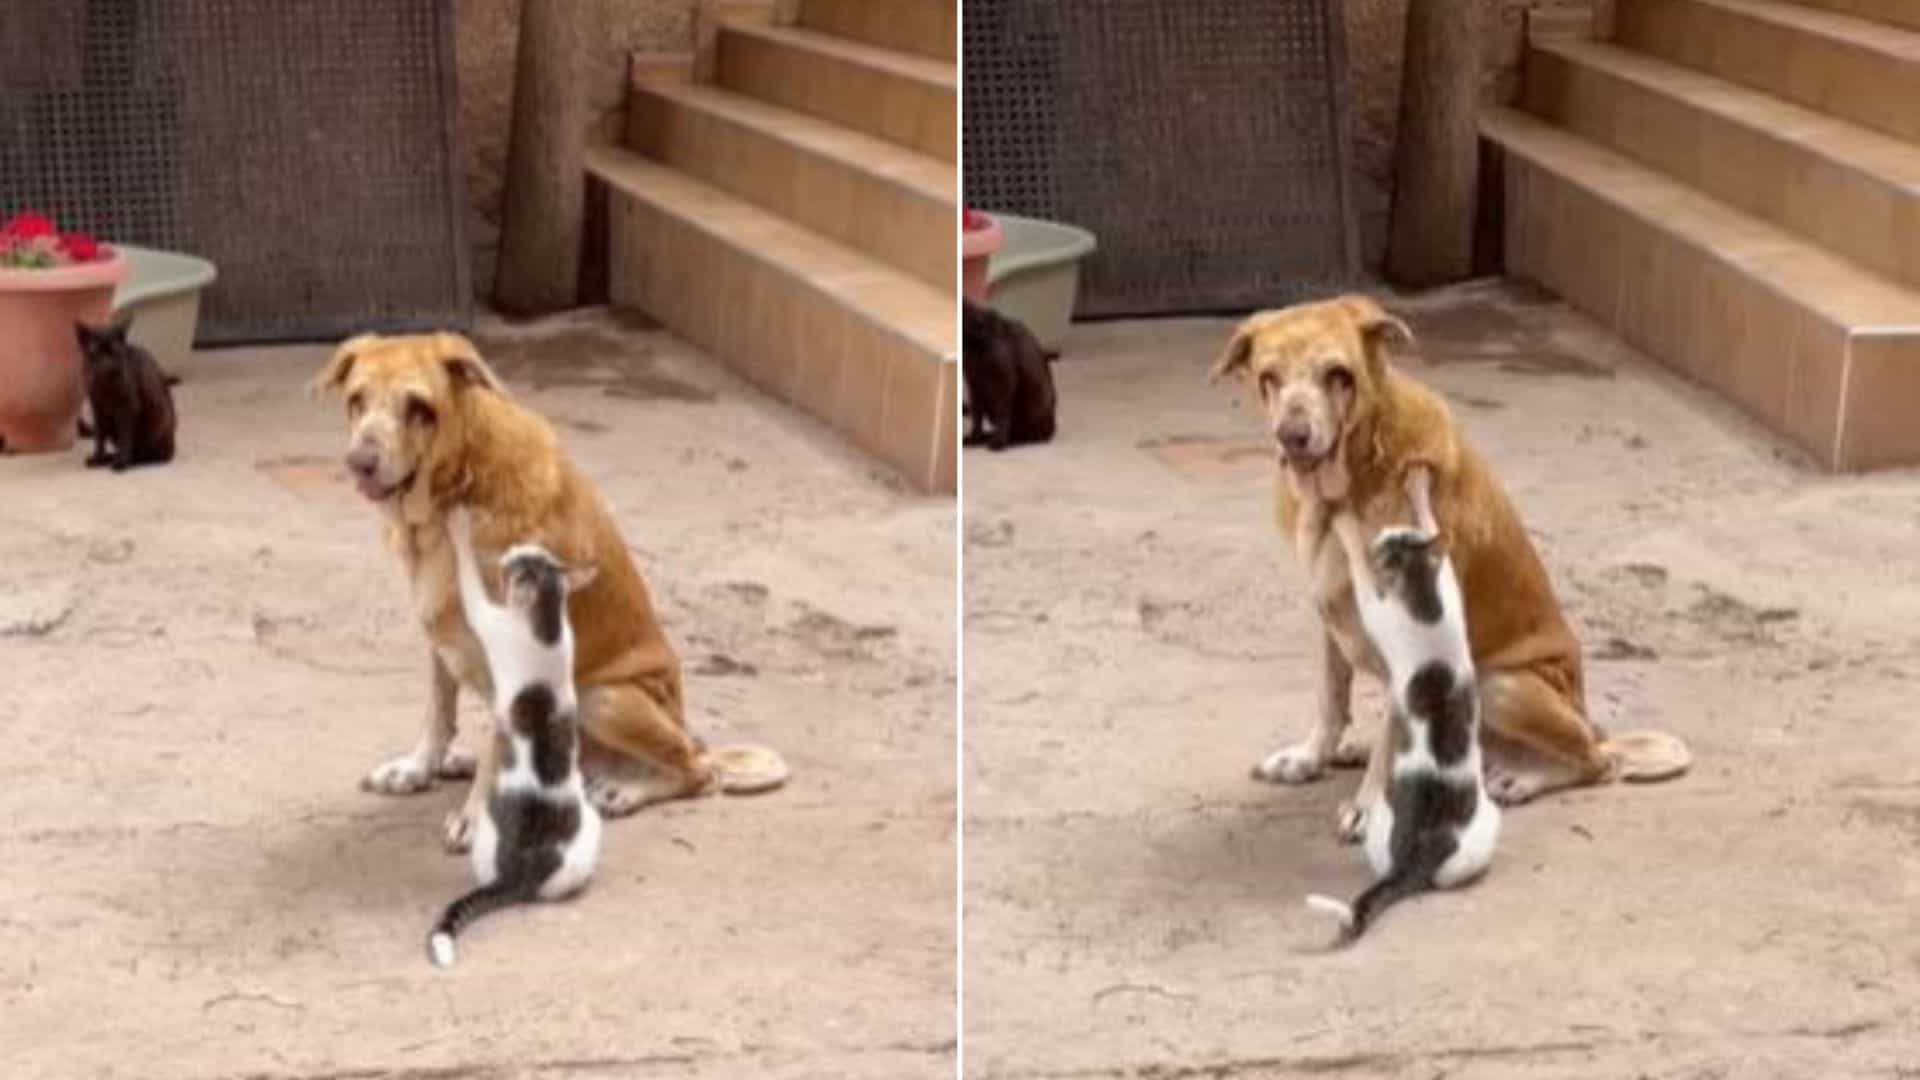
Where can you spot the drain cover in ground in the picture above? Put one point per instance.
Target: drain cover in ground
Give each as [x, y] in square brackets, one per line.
[306, 475]
[1212, 457]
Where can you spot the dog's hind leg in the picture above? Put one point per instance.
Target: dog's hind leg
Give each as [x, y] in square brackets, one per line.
[1307, 759]
[1522, 708]
[627, 720]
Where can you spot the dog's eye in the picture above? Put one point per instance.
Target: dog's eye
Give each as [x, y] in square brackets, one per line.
[1340, 379]
[1268, 383]
[419, 412]
[355, 403]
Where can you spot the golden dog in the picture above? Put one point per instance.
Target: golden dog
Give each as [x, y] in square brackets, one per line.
[1350, 430]
[429, 426]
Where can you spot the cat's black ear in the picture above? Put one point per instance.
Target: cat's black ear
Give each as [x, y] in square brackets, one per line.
[464, 365]
[84, 335]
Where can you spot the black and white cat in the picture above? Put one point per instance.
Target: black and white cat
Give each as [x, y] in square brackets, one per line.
[539, 838]
[1434, 826]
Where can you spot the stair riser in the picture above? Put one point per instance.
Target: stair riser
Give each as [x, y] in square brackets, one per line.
[923, 27]
[891, 221]
[912, 113]
[889, 396]
[1892, 12]
[1845, 398]
[1773, 176]
[1834, 77]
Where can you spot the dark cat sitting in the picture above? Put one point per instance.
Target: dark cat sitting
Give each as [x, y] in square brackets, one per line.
[1009, 385]
[132, 405]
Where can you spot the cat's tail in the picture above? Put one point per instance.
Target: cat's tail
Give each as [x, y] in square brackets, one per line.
[460, 913]
[1399, 884]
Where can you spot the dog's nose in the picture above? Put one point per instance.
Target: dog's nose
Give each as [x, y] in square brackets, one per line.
[363, 460]
[1294, 440]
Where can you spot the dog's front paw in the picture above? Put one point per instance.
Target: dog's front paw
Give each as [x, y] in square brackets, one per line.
[1352, 753]
[408, 774]
[456, 833]
[1510, 787]
[1351, 824]
[456, 765]
[1291, 765]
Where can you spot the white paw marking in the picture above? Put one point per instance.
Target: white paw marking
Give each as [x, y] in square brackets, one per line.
[1510, 788]
[457, 765]
[1291, 765]
[408, 774]
[457, 833]
[1351, 823]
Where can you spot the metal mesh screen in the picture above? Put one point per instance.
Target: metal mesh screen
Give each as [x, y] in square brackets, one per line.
[1204, 142]
[305, 148]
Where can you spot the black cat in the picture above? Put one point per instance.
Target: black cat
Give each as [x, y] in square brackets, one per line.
[1009, 384]
[132, 405]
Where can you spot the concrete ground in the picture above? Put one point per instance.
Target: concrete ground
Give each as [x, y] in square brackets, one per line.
[201, 660]
[1135, 641]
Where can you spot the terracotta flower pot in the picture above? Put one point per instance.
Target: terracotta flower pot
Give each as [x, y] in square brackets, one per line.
[40, 384]
[977, 245]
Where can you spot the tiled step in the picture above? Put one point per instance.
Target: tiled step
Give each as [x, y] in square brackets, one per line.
[885, 200]
[1814, 347]
[1837, 64]
[860, 345]
[908, 100]
[926, 27]
[1851, 190]
[1893, 12]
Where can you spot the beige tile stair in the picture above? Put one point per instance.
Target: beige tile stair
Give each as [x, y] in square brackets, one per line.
[1895, 12]
[1813, 346]
[863, 346]
[926, 27]
[1851, 190]
[904, 99]
[892, 203]
[1843, 65]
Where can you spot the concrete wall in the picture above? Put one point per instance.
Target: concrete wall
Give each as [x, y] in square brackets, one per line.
[484, 35]
[1374, 44]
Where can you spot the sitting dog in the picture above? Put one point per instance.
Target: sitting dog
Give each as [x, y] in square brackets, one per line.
[430, 426]
[1350, 432]
[1008, 383]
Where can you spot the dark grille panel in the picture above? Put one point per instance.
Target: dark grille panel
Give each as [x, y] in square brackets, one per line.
[305, 148]
[1202, 141]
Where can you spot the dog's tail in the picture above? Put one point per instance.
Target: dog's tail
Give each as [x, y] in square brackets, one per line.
[1646, 756]
[746, 769]
[487, 898]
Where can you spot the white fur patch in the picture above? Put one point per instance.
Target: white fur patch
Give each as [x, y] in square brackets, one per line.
[440, 947]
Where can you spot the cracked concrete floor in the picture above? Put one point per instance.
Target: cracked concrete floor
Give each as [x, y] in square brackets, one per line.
[201, 660]
[1134, 641]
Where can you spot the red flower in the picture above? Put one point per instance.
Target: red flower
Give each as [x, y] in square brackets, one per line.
[27, 225]
[80, 247]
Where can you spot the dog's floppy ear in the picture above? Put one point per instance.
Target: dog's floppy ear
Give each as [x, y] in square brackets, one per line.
[1233, 360]
[1379, 331]
[334, 375]
[463, 363]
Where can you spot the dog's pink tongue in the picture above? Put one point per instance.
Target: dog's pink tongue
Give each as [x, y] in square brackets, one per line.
[370, 487]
